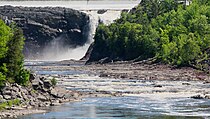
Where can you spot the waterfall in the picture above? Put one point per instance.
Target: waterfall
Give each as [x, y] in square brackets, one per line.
[56, 49]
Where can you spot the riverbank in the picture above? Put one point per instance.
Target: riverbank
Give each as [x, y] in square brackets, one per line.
[17, 100]
[38, 96]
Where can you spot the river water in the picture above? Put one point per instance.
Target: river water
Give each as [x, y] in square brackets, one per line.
[140, 98]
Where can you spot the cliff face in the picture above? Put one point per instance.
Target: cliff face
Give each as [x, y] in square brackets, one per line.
[43, 25]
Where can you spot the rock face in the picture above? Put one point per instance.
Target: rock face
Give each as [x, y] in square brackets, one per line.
[43, 25]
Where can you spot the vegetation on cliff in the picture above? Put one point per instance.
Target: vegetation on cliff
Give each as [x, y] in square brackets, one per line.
[11, 57]
[165, 30]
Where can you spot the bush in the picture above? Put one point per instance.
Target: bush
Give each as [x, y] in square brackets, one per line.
[23, 77]
[9, 103]
[53, 81]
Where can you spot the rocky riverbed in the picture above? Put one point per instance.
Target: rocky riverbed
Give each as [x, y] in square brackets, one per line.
[137, 70]
[75, 81]
[126, 78]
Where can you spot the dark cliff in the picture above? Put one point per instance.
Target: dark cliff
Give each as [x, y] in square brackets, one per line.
[42, 25]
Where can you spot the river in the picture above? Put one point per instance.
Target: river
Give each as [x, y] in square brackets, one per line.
[139, 99]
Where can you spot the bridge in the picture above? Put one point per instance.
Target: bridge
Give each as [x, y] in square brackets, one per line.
[78, 5]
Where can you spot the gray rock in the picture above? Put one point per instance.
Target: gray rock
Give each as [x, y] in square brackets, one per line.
[32, 103]
[6, 92]
[47, 83]
[42, 25]
[35, 83]
[1, 97]
[101, 11]
[159, 86]
[198, 97]
[54, 93]
[7, 97]
[32, 77]
[15, 89]
[42, 98]
[2, 100]
[207, 96]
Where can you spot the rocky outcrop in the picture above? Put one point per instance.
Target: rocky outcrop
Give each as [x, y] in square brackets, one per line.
[40, 93]
[42, 25]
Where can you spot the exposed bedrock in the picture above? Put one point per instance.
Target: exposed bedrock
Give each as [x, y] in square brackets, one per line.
[42, 25]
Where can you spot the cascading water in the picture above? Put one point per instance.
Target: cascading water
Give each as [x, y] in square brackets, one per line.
[56, 49]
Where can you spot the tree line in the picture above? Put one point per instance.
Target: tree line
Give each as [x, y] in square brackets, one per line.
[166, 30]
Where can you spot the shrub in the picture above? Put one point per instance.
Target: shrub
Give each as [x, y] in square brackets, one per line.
[53, 81]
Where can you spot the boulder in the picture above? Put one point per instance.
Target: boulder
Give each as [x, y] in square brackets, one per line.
[54, 93]
[47, 83]
[101, 11]
[7, 97]
[207, 96]
[42, 98]
[198, 97]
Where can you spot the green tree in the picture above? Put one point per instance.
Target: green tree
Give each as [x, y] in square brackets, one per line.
[14, 58]
[5, 35]
[11, 57]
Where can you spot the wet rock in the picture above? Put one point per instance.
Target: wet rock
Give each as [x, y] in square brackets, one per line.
[55, 104]
[101, 11]
[159, 86]
[185, 83]
[47, 83]
[103, 75]
[198, 97]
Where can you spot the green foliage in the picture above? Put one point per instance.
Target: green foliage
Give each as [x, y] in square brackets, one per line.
[53, 81]
[11, 57]
[2, 79]
[165, 29]
[23, 77]
[5, 34]
[9, 103]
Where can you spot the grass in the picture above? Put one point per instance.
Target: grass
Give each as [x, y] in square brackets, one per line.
[9, 103]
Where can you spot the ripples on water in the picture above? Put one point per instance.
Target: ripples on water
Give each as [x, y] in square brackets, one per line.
[143, 105]
[130, 107]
